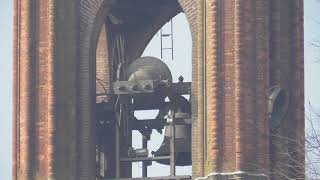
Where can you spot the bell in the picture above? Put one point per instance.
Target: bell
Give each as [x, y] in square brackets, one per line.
[149, 68]
[182, 137]
[278, 106]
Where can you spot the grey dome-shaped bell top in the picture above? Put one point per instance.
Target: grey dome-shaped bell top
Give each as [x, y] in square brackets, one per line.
[148, 68]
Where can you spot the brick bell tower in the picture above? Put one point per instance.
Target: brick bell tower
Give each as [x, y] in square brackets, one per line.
[247, 83]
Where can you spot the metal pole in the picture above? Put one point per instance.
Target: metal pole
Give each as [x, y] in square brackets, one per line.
[171, 39]
[161, 42]
[117, 139]
[172, 145]
[144, 163]
[117, 152]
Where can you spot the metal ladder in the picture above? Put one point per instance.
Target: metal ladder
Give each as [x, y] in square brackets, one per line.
[165, 37]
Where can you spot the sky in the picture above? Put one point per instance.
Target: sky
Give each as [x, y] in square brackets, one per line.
[182, 35]
[312, 54]
[5, 88]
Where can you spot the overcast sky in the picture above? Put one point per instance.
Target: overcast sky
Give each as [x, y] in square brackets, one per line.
[5, 88]
[182, 54]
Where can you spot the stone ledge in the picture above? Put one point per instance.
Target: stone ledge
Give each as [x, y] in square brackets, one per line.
[234, 175]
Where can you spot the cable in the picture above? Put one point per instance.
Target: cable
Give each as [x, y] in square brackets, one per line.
[100, 82]
[105, 90]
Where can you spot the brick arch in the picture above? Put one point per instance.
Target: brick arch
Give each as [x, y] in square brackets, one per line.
[89, 19]
[92, 15]
[142, 39]
[193, 11]
[189, 7]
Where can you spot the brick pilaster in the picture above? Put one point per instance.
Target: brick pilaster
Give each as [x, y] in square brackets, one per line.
[213, 83]
[286, 70]
[44, 73]
[26, 88]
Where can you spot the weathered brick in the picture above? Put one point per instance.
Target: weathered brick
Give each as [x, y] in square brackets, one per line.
[240, 49]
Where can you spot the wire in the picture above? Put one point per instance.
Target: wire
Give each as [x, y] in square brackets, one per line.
[273, 87]
[100, 82]
[105, 90]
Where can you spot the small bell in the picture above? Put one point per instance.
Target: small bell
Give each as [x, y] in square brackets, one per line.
[182, 138]
[278, 106]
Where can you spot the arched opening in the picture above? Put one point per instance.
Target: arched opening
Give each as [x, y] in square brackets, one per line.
[180, 65]
[119, 42]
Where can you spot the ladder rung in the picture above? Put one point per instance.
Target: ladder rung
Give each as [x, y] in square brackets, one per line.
[166, 35]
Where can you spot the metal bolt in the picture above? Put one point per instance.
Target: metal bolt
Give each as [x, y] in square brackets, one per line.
[134, 88]
[147, 87]
[181, 79]
[121, 88]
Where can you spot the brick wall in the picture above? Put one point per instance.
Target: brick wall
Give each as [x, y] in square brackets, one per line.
[45, 94]
[286, 70]
[240, 49]
[102, 65]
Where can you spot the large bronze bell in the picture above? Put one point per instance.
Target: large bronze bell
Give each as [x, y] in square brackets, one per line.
[182, 137]
[149, 68]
